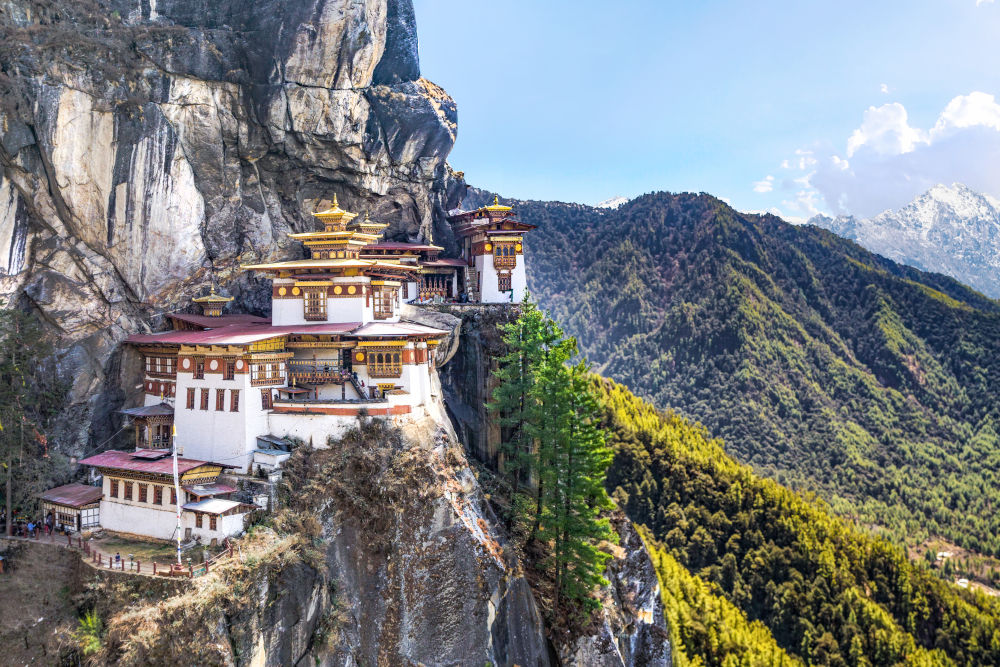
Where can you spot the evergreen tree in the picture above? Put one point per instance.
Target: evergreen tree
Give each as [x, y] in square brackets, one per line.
[580, 466]
[27, 397]
[554, 451]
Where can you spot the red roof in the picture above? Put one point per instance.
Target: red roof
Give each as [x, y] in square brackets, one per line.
[208, 322]
[73, 495]
[118, 460]
[240, 334]
[393, 245]
[447, 261]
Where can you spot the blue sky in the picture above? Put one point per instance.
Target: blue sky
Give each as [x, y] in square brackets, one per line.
[795, 107]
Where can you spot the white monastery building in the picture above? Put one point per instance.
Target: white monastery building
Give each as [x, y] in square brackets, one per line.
[333, 349]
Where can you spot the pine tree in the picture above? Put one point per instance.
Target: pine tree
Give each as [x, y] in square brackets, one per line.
[27, 397]
[581, 462]
[555, 450]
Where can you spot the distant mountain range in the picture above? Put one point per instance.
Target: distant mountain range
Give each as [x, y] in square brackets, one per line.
[949, 229]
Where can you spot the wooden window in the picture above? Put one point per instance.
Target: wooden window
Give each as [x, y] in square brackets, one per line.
[128, 490]
[157, 494]
[199, 369]
[504, 255]
[212, 522]
[149, 364]
[220, 399]
[385, 363]
[314, 302]
[143, 493]
[406, 290]
[190, 398]
[173, 496]
[114, 488]
[265, 399]
[230, 370]
[383, 303]
[503, 282]
[204, 399]
[234, 400]
[197, 521]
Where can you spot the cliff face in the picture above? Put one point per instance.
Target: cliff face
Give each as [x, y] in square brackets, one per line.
[150, 146]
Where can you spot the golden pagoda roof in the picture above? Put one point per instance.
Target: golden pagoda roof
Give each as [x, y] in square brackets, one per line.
[212, 297]
[497, 206]
[335, 214]
[345, 235]
[367, 226]
[324, 264]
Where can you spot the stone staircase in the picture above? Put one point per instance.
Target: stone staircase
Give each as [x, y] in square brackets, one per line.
[472, 283]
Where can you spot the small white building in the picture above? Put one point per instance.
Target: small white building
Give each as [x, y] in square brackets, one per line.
[73, 507]
[138, 496]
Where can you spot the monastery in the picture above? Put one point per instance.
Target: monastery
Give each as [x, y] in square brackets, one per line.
[226, 390]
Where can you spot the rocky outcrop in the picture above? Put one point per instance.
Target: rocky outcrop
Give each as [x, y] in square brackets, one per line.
[387, 554]
[149, 147]
[631, 629]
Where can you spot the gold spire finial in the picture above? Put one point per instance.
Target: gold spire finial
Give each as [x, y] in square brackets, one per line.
[335, 204]
[367, 216]
[496, 200]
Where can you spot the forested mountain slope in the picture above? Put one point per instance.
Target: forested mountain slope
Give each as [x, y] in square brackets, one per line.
[824, 366]
[753, 573]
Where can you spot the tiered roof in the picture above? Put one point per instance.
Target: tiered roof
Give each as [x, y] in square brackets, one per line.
[493, 218]
[335, 249]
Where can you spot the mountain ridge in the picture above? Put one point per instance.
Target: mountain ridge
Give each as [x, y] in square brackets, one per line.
[823, 365]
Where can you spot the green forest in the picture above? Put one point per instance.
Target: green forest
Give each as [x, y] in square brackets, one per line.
[825, 367]
[755, 574]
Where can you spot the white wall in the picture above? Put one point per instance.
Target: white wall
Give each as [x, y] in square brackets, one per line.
[286, 311]
[220, 436]
[489, 291]
[226, 526]
[139, 520]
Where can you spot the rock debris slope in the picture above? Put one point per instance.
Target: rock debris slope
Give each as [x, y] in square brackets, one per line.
[149, 146]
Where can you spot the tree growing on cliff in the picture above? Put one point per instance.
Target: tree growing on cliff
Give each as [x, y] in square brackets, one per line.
[27, 397]
[554, 453]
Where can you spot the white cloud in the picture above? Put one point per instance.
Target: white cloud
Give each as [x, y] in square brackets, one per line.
[785, 164]
[974, 109]
[983, 2]
[891, 162]
[765, 185]
[805, 159]
[886, 130]
[884, 88]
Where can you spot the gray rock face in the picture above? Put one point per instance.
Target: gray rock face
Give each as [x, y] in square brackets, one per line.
[632, 629]
[149, 146]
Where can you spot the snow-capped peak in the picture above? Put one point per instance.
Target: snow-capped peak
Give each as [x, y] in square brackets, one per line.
[614, 202]
[949, 229]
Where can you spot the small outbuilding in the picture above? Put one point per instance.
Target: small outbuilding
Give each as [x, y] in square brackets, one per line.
[75, 506]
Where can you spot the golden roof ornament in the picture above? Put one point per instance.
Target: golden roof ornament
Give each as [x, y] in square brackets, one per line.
[497, 206]
[213, 297]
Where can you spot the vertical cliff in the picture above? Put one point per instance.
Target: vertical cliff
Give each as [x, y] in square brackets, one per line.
[149, 146]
